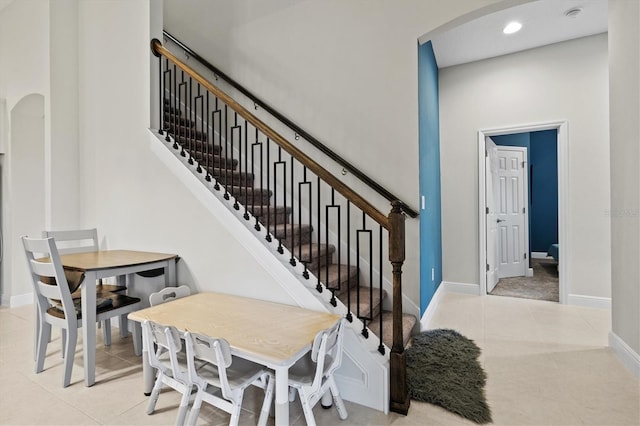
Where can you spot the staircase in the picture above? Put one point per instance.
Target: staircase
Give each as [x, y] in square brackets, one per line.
[338, 244]
[319, 259]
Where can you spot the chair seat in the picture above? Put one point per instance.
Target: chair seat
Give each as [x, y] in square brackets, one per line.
[302, 372]
[239, 372]
[117, 301]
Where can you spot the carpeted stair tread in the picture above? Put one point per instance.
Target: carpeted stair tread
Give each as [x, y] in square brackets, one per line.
[237, 178]
[363, 307]
[197, 146]
[301, 233]
[408, 322]
[313, 254]
[267, 214]
[189, 132]
[216, 160]
[340, 275]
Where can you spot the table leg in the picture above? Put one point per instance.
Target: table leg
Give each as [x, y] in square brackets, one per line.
[170, 273]
[88, 295]
[148, 375]
[282, 395]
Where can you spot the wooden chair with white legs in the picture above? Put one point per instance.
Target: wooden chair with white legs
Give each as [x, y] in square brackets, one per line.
[223, 374]
[56, 307]
[312, 375]
[163, 344]
[81, 241]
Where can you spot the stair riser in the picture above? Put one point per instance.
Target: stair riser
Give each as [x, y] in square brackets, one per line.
[236, 179]
[273, 218]
[216, 161]
[253, 199]
[198, 146]
[186, 131]
[298, 238]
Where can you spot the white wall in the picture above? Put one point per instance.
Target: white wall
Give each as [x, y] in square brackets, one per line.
[564, 81]
[24, 68]
[126, 191]
[624, 57]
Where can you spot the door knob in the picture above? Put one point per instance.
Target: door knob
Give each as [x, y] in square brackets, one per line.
[500, 220]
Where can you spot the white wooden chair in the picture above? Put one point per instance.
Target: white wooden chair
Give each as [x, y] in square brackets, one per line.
[312, 375]
[168, 294]
[224, 373]
[163, 344]
[56, 307]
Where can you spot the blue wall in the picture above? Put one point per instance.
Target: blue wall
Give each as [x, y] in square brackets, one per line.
[429, 152]
[542, 157]
[544, 199]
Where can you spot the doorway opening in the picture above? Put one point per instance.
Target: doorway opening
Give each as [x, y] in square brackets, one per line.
[522, 211]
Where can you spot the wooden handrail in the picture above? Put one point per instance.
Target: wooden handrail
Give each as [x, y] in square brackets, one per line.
[299, 130]
[158, 49]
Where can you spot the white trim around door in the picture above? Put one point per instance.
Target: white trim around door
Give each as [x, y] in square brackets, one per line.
[563, 191]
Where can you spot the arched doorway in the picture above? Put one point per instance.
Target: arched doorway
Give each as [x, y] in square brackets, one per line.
[23, 193]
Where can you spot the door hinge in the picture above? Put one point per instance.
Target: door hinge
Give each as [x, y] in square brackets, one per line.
[523, 209]
[525, 255]
[487, 210]
[488, 267]
[523, 164]
[486, 153]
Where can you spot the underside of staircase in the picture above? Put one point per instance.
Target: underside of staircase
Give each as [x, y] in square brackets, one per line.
[253, 201]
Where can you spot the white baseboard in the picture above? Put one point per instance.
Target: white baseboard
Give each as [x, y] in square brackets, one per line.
[464, 288]
[431, 308]
[539, 255]
[628, 356]
[16, 301]
[445, 287]
[589, 301]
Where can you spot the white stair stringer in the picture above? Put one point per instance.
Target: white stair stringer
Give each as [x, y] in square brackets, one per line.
[363, 377]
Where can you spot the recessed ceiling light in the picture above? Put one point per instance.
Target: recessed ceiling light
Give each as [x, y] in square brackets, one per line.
[572, 13]
[512, 27]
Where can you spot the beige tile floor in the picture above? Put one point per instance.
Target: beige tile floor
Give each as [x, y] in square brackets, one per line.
[547, 364]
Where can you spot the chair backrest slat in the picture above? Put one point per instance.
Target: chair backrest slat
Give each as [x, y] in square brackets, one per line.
[44, 262]
[168, 294]
[75, 240]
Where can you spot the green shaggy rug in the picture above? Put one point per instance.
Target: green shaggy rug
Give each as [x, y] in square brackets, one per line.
[443, 369]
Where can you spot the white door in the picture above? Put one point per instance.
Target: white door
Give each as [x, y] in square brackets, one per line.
[512, 212]
[491, 184]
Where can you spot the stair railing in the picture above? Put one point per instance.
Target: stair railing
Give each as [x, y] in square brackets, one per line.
[253, 164]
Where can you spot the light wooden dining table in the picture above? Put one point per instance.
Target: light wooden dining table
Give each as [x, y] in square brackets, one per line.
[267, 333]
[103, 264]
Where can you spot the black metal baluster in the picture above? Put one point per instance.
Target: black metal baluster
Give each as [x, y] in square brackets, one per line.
[318, 284]
[292, 260]
[209, 142]
[226, 151]
[180, 127]
[190, 123]
[217, 111]
[201, 136]
[175, 113]
[232, 182]
[160, 95]
[246, 170]
[307, 185]
[258, 144]
[167, 101]
[328, 207]
[268, 224]
[381, 345]
[284, 196]
[349, 315]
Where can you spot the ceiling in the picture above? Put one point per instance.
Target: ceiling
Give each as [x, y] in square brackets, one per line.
[543, 22]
